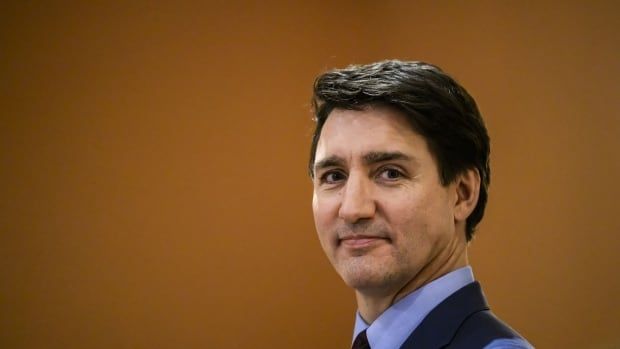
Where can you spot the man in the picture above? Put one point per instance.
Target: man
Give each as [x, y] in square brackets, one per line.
[400, 167]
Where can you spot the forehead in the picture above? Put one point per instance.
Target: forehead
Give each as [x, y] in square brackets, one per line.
[353, 133]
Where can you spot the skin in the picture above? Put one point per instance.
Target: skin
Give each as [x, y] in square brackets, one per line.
[384, 220]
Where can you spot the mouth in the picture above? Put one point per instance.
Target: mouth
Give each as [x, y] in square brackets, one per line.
[360, 241]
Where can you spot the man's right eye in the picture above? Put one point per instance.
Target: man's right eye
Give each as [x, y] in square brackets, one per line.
[332, 177]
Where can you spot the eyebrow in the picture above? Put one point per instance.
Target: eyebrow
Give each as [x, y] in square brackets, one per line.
[369, 158]
[330, 161]
[374, 157]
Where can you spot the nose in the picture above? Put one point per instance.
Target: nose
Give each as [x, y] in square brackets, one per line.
[357, 200]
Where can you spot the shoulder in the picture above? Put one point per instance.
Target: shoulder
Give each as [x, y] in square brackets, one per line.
[483, 329]
[463, 321]
[514, 343]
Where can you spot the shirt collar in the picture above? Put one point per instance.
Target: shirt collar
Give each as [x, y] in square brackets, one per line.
[395, 324]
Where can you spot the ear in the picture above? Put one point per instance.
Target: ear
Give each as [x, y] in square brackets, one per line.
[467, 192]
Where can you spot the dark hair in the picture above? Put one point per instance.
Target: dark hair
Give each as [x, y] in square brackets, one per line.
[437, 107]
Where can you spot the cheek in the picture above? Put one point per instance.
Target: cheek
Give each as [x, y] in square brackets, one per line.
[415, 219]
[407, 210]
[325, 206]
[315, 206]
[317, 211]
[430, 222]
[322, 211]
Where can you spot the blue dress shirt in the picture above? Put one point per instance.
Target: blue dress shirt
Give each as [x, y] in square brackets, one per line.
[395, 324]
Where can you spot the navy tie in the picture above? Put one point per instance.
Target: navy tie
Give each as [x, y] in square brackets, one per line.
[361, 341]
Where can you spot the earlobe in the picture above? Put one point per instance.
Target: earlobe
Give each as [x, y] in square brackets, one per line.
[467, 192]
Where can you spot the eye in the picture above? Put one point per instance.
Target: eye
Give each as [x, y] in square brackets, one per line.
[332, 177]
[390, 174]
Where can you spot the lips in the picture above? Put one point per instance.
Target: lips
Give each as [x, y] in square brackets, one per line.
[360, 241]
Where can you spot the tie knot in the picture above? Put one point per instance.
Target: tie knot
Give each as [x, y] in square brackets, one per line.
[361, 341]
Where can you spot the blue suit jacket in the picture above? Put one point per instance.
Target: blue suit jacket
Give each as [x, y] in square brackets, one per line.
[462, 320]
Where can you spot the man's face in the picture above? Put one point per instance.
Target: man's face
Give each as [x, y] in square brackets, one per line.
[381, 213]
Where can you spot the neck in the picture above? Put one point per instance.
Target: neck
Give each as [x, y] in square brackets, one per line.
[372, 303]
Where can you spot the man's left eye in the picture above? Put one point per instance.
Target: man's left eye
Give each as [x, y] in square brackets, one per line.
[390, 174]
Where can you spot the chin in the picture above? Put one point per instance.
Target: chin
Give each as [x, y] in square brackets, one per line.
[361, 278]
[363, 285]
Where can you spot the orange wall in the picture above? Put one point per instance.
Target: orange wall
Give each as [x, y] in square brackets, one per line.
[152, 178]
